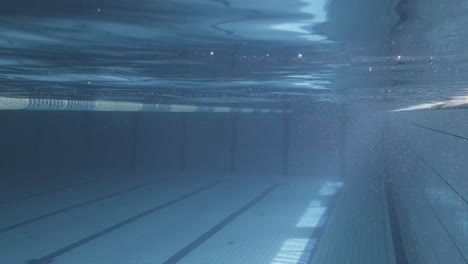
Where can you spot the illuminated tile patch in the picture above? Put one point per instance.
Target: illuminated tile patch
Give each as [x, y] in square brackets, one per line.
[330, 188]
[313, 215]
[300, 250]
[295, 251]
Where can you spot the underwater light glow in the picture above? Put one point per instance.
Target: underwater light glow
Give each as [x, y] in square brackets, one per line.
[330, 188]
[312, 216]
[291, 27]
[294, 251]
[458, 102]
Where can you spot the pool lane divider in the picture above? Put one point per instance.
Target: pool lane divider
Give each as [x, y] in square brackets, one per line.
[78, 205]
[192, 246]
[48, 104]
[50, 258]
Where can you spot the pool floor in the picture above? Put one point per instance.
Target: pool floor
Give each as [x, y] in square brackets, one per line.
[202, 220]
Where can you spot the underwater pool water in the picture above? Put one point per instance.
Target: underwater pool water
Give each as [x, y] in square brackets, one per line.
[233, 132]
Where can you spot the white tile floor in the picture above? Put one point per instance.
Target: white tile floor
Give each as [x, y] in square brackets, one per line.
[228, 223]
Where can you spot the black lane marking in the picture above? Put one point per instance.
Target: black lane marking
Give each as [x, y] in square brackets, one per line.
[75, 206]
[215, 229]
[438, 131]
[35, 195]
[395, 227]
[439, 175]
[318, 231]
[50, 258]
[432, 168]
[423, 194]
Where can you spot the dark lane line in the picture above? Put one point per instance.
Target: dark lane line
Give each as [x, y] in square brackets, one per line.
[436, 173]
[430, 166]
[75, 206]
[399, 247]
[438, 131]
[35, 195]
[215, 229]
[436, 214]
[50, 258]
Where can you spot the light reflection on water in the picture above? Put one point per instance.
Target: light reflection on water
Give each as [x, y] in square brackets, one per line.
[221, 52]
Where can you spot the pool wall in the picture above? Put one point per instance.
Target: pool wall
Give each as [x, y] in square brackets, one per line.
[69, 144]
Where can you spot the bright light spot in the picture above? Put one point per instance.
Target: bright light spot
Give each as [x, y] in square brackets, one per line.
[314, 37]
[415, 107]
[294, 251]
[456, 102]
[268, 55]
[211, 53]
[312, 85]
[398, 57]
[292, 27]
[370, 69]
[302, 84]
[299, 55]
[313, 215]
[308, 76]
[330, 188]
[99, 9]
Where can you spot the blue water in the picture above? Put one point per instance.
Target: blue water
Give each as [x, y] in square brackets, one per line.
[233, 132]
